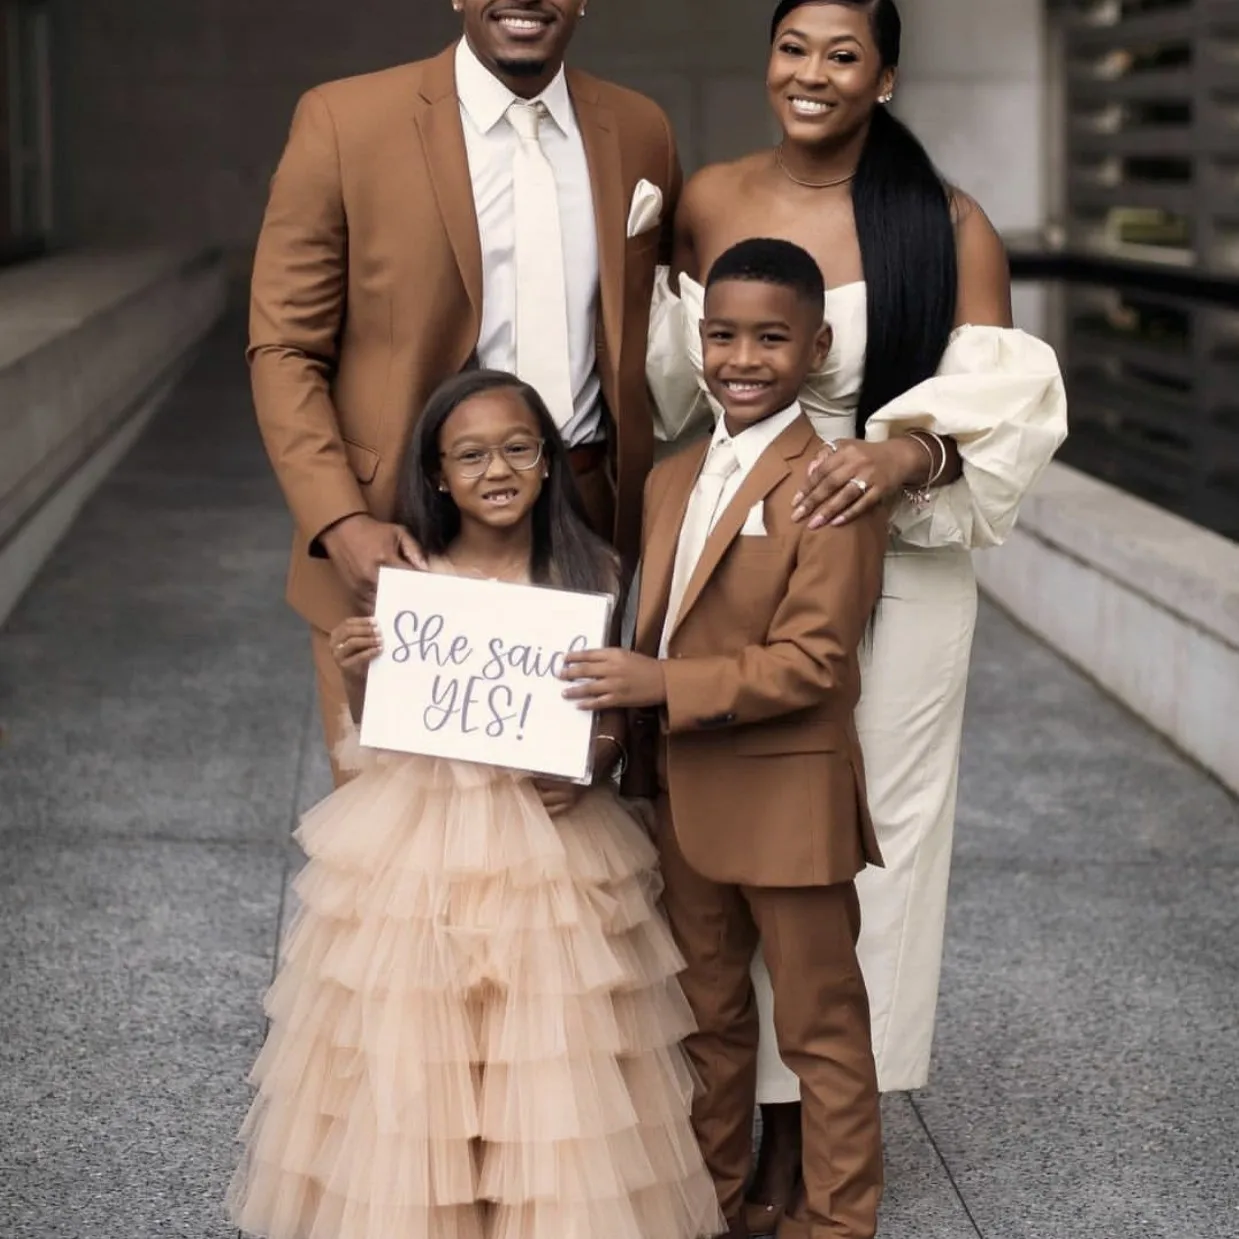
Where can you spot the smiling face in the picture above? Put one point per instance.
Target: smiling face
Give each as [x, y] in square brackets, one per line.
[825, 74]
[522, 42]
[495, 423]
[759, 343]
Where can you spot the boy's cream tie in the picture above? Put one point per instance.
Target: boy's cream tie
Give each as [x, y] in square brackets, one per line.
[703, 510]
[542, 358]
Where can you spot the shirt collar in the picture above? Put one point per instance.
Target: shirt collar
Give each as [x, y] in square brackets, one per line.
[751, 442]
[487, 99]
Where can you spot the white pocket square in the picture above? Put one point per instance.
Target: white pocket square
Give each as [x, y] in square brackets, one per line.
[755, 523]
[646, 211]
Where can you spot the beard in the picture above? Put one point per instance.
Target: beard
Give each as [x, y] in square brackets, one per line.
[522, 68]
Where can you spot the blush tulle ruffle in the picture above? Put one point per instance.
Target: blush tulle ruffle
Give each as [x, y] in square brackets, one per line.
[475, 1028]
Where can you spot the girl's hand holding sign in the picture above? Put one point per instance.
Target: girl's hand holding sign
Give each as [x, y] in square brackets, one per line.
[355, 644]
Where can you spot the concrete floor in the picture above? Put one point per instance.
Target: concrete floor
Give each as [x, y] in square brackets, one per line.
[159, 742]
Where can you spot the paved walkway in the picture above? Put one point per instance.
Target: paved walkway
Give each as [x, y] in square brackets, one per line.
[159, 742]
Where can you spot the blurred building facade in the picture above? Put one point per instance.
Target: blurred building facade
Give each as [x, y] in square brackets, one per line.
[169, 116]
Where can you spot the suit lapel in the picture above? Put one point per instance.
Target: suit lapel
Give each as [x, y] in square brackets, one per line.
[600, 136]
[658, 559]
[771, 468]
[447, 166]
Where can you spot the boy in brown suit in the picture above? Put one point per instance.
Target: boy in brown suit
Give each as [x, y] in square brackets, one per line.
[745, 662]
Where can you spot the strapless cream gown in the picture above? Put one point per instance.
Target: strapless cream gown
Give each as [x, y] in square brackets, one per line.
[999, 394]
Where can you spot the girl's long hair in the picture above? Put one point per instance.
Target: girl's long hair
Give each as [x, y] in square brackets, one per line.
[906, 234]
[566, 552]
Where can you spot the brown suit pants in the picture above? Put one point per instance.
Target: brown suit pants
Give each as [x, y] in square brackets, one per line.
[598, 496]
[821, 1013]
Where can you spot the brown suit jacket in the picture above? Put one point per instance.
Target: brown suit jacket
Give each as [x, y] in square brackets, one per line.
[763, 764]
[367, 292]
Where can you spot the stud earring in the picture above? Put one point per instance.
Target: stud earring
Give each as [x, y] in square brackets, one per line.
[443, 488]
[886, 98]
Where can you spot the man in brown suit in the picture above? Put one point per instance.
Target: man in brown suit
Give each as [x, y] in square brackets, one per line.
[396, 250]
[746, 644]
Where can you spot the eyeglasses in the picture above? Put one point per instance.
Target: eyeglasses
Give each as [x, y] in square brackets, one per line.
[519, 454]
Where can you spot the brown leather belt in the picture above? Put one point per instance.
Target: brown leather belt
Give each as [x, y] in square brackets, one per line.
[587, 457]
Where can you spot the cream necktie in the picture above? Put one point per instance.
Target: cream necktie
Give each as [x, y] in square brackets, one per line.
[703, 511]
[542, 357]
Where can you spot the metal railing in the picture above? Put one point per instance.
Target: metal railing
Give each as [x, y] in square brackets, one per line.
[1150, 355]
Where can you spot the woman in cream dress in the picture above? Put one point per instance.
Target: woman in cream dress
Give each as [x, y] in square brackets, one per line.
[930, 401]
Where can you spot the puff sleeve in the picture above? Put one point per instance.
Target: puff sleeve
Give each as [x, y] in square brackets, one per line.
[999, 395]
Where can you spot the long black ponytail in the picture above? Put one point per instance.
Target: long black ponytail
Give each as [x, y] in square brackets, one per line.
[906, 234]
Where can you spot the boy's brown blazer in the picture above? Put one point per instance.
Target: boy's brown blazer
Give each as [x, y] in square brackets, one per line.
[367, 292]
[763, 764]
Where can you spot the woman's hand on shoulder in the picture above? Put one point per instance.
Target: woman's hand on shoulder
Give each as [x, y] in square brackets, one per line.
[984, 297]
[850, 477]
[355, 644]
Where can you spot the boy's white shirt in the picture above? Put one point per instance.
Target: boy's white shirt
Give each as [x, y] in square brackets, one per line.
[749, 445]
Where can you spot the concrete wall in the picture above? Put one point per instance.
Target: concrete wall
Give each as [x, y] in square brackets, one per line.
[171, 115]
[972, 86]
[975, 86]
[90, 342]
[1145, 603]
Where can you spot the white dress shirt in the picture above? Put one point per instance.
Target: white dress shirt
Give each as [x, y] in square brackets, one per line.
[748, 447]
[490, 142]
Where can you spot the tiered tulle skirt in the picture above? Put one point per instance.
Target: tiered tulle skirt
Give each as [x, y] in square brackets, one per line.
[474, 1030]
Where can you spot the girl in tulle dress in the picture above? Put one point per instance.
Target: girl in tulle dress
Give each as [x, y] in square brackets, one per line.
[475, 1028]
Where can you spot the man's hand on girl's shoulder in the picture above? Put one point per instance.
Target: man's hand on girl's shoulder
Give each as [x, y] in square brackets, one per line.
[359, 545]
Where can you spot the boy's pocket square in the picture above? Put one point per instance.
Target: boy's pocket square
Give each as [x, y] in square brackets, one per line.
[646, 211]
[755, 522]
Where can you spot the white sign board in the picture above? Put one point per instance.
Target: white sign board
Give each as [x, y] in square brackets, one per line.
[469, 670]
